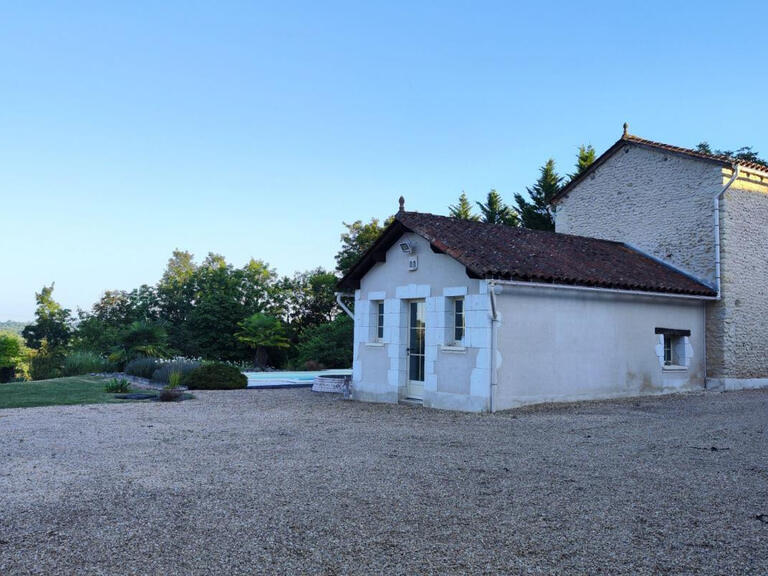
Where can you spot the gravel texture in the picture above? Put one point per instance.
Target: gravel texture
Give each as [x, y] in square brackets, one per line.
[291, 482]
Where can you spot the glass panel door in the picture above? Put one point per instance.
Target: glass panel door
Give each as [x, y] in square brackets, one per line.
[416, 348]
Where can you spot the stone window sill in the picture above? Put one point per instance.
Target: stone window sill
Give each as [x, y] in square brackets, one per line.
[453, 349]
[673, 368]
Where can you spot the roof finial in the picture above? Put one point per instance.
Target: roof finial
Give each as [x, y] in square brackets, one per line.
[626, 130]
[402, 204]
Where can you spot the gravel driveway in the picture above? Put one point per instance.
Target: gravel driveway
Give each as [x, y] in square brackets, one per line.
[288, 482]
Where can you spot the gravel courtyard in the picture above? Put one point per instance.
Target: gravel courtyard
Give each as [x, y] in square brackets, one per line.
[290, 482]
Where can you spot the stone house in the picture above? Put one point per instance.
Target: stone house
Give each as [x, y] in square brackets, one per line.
[706, 215]
[632, 295]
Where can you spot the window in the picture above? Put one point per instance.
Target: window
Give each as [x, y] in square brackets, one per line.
[669, 350]
[379, 321]
[673, 344]
[458, 320]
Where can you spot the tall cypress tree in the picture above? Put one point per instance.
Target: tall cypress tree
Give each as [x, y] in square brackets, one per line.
[494, 211]
[462, 210]
[537, 213]
[584, 160]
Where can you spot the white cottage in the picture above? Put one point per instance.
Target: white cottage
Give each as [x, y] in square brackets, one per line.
[463, 315]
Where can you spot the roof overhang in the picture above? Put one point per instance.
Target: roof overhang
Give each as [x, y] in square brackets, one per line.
[640, 143]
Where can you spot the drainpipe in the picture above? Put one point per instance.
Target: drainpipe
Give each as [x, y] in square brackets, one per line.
[736, 173]
[494, 319]
[341, 304]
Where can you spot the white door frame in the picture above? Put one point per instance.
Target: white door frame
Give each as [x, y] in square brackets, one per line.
[414, 388]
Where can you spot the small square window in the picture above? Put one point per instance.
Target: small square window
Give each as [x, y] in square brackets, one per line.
[673, 345]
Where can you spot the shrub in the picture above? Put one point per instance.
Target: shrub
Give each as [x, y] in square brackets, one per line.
[313, 366]
[45, 363]
[215, 377]
[174, 380]
[142, 367]
[13, 356]
[145, 339]
[114, 386]
[328, 344]
[180, 365]
[84, 362]
[172, 390]
[169, 394]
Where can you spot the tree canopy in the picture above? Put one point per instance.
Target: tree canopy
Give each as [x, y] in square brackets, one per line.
[532, 210]
[537, 213]
[52, 322]
[356, 240]
[745, 153]
[262, 332]
[495, 211]
[463, 209]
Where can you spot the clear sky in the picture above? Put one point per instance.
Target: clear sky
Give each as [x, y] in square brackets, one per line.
[253, 129]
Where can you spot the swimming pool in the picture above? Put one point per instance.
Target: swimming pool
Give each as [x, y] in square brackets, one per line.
[288, 379]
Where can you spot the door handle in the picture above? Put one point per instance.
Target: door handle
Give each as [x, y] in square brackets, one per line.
[407, 351]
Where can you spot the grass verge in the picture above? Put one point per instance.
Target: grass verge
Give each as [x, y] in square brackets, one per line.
[56, 392]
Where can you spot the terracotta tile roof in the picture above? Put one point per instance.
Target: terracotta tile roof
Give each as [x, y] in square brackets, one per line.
[632, 139]
[725, 160]
[503, 252]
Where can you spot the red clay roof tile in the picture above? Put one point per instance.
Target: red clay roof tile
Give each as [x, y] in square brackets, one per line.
[504, 252]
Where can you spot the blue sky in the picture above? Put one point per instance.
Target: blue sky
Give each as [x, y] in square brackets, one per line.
[254, 129]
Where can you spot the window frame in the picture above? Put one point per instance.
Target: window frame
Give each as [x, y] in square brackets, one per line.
[379, 315]
[459, 330]
[673, 344]
[669, 350]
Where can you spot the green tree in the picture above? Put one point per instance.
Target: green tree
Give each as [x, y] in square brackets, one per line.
[495, 211]
[308, 299]
[52, 322]
[463, 209]
[100, 329]
[176, 287]
[46, 361]
[262, 332]
[223, 296]
[327, 345]
[537, 214]
[143, 338]
[745, 153]
[356, 240]
[584, 160]
[13, 356]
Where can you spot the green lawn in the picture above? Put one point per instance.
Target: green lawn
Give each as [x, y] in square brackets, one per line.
[60, 391]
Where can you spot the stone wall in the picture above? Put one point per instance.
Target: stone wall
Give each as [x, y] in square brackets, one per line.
[743, 349]
[659, 202]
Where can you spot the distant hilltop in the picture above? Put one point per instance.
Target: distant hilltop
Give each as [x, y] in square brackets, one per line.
[12, 326]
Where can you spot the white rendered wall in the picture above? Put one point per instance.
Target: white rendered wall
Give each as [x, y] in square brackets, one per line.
[564, 345]
[456, 378]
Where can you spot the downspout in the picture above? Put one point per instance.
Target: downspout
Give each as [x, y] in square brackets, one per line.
[343, 306]
[736, 173]
[494, 319]
[719, 297]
